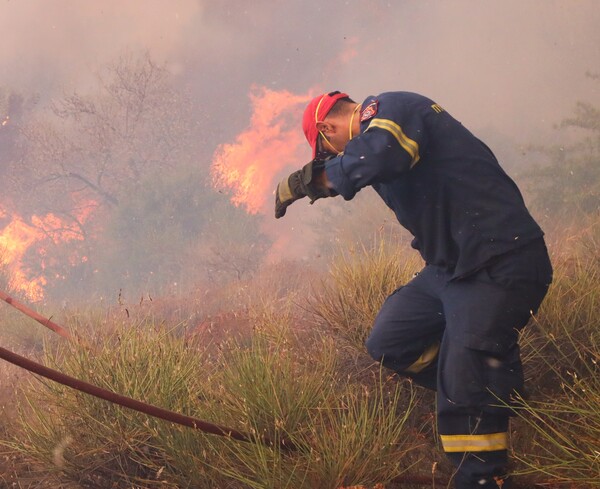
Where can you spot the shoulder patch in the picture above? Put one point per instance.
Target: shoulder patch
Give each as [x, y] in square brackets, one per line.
[369, 111]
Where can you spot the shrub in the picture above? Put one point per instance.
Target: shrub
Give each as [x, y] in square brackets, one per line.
[563, 443]
[561, 436]
[345, 432]
[358, 283]
[90, 440]
[276, 383]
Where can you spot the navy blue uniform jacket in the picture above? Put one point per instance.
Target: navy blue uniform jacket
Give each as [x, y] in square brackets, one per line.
[444, 185]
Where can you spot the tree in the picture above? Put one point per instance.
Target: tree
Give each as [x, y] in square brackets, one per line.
[98, 147]
[118, 167]
[87, 153]
[569, 183]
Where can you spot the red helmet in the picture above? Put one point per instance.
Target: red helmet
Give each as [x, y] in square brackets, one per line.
[316, 111]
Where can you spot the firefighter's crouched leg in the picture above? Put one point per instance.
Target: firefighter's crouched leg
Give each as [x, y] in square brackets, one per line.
[475, 391]
[407, 332]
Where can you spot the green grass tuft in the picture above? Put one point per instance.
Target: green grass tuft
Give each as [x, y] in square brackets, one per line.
[358, 283]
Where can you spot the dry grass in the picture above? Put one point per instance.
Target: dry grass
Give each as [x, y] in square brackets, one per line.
[560, 439]
[358, 282]
[346, 432]
[276, 374]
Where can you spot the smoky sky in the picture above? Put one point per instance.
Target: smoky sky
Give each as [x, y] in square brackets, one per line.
[510, 70]
[517, 67]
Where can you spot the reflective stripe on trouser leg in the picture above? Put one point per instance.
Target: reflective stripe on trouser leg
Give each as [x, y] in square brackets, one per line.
[475, 443]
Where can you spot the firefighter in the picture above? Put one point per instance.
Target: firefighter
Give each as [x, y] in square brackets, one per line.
[454, 327]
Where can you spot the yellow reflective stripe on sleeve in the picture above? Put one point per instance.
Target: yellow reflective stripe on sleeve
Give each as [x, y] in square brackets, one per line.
[409, 145]
[425, 359]
[284, 191]
[475, 443]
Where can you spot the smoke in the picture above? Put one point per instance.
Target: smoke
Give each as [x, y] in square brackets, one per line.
[49, 49]
[486, 62]
[508, 70]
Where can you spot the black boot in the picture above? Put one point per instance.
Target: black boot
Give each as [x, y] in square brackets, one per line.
[463, 481]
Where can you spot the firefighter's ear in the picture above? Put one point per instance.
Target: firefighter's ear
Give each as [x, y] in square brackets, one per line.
[326, 127]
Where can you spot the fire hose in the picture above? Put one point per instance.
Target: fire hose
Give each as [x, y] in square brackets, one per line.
[34, 315]
[113, 397]
[140, 406]
[128, 402]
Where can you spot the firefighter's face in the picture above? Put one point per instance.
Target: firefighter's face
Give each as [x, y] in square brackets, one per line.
[333, 135]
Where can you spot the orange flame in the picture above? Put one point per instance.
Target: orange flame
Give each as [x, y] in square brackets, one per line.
[17, 237]
[15, 240]
[249, 167]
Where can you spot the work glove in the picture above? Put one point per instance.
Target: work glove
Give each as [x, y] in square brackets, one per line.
[300, 184]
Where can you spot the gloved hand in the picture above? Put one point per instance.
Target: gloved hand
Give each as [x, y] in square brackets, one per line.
[300, 184]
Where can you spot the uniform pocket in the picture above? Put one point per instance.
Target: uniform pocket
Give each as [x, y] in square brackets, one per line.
[477, 379]
[503, 378]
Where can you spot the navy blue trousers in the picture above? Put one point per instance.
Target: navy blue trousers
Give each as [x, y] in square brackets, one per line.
[460, 338]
